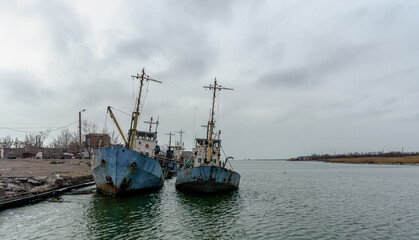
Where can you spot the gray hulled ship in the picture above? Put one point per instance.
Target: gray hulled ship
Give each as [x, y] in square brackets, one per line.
[207, 173]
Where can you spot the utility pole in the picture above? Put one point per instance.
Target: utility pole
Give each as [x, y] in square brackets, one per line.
[80, 127]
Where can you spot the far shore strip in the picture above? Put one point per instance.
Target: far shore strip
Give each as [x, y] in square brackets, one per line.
[374, 160]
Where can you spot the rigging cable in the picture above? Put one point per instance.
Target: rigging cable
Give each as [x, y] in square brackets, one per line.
[106, 120]
[133, 96]
[116, 139]
[122, 111]
[218, 109]
[226, 157]
[145, 96]
[194, 124]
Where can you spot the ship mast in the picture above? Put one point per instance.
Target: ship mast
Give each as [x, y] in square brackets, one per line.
[133, 131]
[211, 123]
[151, 123]
[181, 132]
[157, 123]
[170, 134]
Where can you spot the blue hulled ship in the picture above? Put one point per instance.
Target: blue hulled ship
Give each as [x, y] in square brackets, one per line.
[119, 170]
[207, 173]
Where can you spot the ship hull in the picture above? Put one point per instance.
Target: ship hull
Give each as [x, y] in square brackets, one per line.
[207, 179]
[119, 171]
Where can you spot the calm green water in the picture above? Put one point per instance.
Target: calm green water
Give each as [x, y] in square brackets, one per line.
[276, 200]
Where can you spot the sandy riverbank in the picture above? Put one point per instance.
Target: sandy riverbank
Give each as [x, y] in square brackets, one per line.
[374, 160]
[378, 160]
[27, 177]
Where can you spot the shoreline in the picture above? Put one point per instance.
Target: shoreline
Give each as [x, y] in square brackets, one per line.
[409, 160]
[34, 198]
[24, 181]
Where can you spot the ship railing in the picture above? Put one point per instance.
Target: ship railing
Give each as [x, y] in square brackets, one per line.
[165, 159]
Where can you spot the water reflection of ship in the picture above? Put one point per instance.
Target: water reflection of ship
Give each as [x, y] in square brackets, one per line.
[110, 218]
[221, 210]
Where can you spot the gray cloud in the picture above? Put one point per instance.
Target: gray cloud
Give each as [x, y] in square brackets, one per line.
[287, 78]
[308, 77]
[64, 26]
[320, 66]
[135, 49]
[23, 88]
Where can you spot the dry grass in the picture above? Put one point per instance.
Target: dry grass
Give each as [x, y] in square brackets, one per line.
[378, 160]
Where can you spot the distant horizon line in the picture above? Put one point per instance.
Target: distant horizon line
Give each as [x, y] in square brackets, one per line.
[262, 159]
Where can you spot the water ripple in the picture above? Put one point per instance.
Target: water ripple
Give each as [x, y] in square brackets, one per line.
[276, 200]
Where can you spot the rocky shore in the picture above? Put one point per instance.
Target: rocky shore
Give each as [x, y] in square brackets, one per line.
[24, 178]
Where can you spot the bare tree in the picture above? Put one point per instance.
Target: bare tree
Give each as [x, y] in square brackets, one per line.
[7, 142]
[17, 143]
[115, 137]
[64, 140]
[88, 127]
[30, 140]
[43, 136]
[36, 140]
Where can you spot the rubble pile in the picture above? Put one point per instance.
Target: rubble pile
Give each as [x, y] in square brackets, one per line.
[16, 187]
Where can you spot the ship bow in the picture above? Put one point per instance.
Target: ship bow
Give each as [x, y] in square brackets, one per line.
[118, 170]
[207, 179]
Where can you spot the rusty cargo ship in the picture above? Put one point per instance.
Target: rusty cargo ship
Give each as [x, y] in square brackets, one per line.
[207, 173]
[120, 170]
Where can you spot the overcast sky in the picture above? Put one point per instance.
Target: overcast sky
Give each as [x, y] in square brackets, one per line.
[309, 77]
